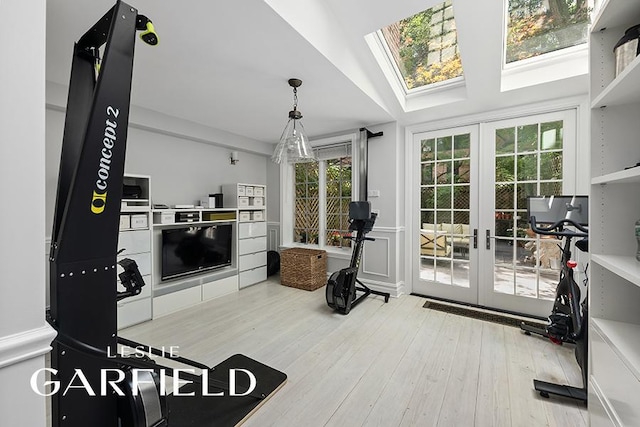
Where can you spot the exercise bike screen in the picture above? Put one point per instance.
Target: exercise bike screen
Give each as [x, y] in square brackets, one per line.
[551, 209]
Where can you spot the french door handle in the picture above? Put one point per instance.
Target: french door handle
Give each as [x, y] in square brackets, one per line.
[475, 238]
[488, 234]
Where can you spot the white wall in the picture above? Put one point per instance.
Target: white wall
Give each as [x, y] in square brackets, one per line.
[24, 335]
[182, 170]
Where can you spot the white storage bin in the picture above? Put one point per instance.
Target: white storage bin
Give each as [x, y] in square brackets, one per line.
[139, 221]
[243, 202]
[244, 216]
[257, 216]
[258, 201]
[125, 222]
[258, 191]
[248, 191]
[167, 218]
[241, 190]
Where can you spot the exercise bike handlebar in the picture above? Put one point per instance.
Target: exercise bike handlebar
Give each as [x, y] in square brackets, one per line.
[557, 228]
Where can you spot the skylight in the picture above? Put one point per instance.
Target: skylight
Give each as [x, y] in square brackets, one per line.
[424, 47]
[536, 27]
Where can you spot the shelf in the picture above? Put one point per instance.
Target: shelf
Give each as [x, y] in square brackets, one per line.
[624, 339]
[129, 209]
[195, 210]
[624, 266]
[616, 13]
[621, 177]
[195, 223]
[623, 89]
[134, 229]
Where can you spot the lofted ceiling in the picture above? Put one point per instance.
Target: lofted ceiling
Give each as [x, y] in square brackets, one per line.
[225, 65]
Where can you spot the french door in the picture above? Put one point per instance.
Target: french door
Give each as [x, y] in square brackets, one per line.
[473, 242]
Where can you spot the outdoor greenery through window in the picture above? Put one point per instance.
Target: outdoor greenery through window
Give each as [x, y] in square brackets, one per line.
[306, 228]
[329, 179]
[536, 27]
[425, 46]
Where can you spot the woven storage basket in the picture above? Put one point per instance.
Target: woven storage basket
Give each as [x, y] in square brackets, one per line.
[303, 268]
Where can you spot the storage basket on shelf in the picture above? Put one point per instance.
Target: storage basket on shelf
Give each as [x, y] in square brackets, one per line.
[303, 268]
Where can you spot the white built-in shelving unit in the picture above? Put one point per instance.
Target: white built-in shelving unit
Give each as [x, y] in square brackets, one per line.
[251, 201]
[134, 240]
[614, 287]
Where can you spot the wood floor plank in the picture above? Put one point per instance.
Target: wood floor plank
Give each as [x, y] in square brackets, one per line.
[382, 365]
[390, 347]
[492, 400]
[559, 411]
[394, 399]
[344, 362]
[462, 385]
[526, 408]
[426, 400]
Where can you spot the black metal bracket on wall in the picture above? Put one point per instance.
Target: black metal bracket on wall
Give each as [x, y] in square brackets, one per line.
[363, 156]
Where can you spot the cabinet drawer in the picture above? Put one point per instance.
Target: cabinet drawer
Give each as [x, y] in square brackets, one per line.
[251, 261]
[134, 242]
[175, 301]
[614, 379]
[248, 246]
[252, 229]
[220, 287]
[130, 313]
[143, 260]
[250, 277]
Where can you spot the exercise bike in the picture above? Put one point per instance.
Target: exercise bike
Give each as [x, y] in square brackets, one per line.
[568, 321]
[342, 285]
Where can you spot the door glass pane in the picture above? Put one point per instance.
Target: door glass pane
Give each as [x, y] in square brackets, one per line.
[445, 209]
[525, 264]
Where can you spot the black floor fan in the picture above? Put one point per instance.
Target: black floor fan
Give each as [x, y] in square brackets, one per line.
[344, 290]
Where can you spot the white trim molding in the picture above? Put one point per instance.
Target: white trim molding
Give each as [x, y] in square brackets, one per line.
[385, 273]
[26, 345]
[394, 289]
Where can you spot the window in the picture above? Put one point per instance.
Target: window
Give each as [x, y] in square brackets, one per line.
[536, 27]
[424, 47]
[322, 193]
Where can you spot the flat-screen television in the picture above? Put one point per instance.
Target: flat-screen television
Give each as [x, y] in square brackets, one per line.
[193, 249]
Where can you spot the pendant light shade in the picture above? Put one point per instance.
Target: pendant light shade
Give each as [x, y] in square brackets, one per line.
[294, 146]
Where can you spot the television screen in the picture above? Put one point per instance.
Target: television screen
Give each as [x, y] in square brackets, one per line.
[194, 249]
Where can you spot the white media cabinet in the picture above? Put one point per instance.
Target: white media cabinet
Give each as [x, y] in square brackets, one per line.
[614, 285]
[141, 238]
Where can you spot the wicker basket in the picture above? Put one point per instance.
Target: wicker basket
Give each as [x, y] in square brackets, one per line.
[303, 268]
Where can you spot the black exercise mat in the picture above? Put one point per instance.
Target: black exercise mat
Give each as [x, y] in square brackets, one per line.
[205, 411]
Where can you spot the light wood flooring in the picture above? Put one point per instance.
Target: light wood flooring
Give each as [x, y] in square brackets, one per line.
[395, 364]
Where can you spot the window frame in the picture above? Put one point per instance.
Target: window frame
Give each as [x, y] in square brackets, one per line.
[287, 189]
[547, 59]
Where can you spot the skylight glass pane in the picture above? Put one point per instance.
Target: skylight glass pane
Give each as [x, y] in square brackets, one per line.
[536, 27]
[425, 46]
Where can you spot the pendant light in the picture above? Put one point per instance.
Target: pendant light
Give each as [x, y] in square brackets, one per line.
[294, 144]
